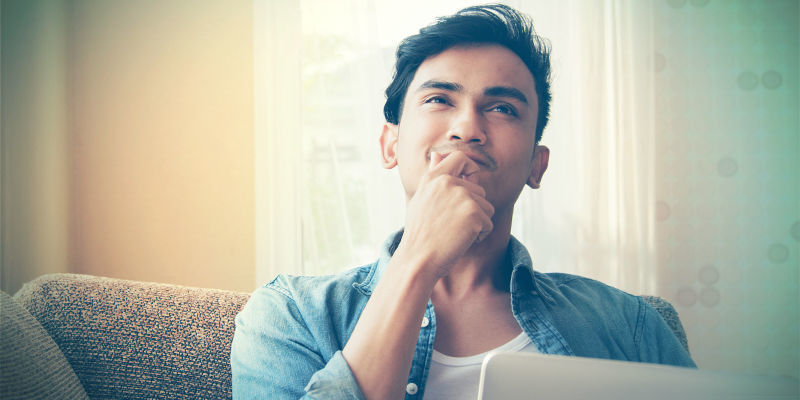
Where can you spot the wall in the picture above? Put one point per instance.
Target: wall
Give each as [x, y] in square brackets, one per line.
[35, 175]
[147, 144]
[728, 156]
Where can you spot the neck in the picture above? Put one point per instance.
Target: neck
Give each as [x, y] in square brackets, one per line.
[483, 268]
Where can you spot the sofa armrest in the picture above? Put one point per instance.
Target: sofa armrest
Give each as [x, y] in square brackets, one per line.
[670, 316]
[137, 340]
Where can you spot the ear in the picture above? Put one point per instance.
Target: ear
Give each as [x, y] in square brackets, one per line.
[389, 145]
[541, 155]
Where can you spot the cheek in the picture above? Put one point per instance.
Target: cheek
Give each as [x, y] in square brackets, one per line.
[424, 125]
[418, 135]
[519, 164]
[407, 144]
[410, 160]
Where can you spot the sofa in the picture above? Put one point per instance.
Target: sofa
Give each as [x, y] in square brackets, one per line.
[78, 336]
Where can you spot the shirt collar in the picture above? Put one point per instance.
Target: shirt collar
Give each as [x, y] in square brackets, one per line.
[522, 273]
[379, 267]
[523, 277]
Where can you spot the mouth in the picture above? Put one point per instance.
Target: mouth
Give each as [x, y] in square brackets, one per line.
[475, 153]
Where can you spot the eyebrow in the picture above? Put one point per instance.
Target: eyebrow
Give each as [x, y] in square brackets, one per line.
[434, 84]
[494, 91]
[505, 91]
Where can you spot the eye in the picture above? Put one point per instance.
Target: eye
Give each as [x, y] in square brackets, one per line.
[435, 100]
[505, 109]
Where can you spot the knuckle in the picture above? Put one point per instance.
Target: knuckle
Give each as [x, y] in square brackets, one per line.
[474, 210]
[444, 180]
[439, 182]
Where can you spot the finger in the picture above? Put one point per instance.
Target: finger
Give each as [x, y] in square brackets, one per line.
[486, 229]
[473, 187]
[436, 158]
[473, 178]
[456, 164]
[487, 207]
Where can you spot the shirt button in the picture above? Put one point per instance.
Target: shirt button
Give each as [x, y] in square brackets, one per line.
[411, 388]
[425, 321]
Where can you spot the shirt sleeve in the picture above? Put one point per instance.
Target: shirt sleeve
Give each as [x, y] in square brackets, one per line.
[656, 341]
[274, 354]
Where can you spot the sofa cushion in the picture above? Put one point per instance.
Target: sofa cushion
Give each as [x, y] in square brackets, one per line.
[137, 340]
[31, 364]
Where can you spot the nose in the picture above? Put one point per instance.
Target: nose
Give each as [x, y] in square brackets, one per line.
[467, 129]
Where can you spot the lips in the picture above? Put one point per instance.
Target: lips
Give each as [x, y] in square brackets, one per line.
[475, 153]
[481, 161]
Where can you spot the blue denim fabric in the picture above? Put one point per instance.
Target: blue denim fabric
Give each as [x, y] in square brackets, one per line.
[289, 336]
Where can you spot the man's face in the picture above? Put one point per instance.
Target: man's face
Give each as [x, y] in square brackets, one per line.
[478, 99]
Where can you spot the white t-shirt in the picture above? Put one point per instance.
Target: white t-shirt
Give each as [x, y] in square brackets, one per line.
[457, 378]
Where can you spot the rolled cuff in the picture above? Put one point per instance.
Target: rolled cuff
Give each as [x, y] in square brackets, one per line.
[335, 381]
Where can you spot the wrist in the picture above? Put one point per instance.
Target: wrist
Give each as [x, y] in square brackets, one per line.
[416, 266]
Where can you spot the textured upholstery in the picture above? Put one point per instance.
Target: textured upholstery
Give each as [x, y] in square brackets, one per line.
[31, 364]
[137, 340]
[670, 316]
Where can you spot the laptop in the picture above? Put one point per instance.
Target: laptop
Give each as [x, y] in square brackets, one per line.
[517, 376]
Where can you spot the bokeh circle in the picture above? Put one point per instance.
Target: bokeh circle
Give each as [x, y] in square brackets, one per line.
[708, 275]
[778, 253]
[686, 297]
[676, 3]
[727, 167]
[771, 79]
[795, 230]
[748, 80]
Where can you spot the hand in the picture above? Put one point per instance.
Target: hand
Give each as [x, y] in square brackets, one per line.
[447, 214]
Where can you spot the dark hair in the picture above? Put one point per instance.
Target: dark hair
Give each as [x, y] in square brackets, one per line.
[487, 24]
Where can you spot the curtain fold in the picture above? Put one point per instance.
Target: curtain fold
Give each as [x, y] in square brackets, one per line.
[594, 213]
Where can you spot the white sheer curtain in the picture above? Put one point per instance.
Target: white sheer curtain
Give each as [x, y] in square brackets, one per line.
[594, 214]
[323, 202]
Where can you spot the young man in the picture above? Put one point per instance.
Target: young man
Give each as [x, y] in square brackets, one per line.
[465, 113]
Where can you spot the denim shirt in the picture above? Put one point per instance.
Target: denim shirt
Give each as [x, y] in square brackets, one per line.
[289, 336]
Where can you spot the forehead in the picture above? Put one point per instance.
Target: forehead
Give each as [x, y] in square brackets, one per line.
[475, 68]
